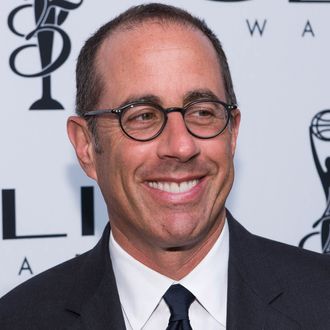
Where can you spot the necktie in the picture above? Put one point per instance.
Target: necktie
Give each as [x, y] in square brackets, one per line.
[178, 299]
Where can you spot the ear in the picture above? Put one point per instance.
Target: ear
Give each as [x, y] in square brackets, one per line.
[82, 142]
[234, 127]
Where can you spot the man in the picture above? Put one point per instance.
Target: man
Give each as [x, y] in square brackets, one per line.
[156, 128]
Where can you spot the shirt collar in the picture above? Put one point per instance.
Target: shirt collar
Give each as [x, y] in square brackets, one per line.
[207, 281]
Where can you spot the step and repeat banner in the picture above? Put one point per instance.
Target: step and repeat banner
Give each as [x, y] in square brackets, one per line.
[279, 54]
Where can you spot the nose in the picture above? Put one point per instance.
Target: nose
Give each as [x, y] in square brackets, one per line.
[176, 142]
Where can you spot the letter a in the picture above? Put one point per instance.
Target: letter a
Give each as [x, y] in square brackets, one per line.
[25, 266]
[308, 29]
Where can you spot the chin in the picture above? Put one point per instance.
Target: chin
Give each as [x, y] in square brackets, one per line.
[182, 234]
[180, 243]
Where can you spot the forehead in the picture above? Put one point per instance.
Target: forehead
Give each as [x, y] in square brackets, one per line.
[158, 57]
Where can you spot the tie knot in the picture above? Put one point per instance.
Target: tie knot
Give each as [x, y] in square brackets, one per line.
[178, 299]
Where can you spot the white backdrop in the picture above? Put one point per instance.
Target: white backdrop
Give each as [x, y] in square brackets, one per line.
[281, 76]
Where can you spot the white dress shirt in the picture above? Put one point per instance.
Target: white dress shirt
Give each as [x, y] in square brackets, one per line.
[141, 289]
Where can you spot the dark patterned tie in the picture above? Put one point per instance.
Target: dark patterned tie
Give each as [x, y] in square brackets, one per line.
[178, 299]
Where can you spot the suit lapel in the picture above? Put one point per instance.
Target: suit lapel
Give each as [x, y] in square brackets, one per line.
[94, 300]
[103, 311]
[253, 285]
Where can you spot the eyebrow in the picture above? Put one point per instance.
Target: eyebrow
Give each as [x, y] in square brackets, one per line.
[190, 96]
[198, 94]
[142, 98]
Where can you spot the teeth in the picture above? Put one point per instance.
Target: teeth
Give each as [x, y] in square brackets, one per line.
[173, 187]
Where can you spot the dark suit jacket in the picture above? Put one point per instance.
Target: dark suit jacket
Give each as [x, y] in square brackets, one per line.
[270, 286]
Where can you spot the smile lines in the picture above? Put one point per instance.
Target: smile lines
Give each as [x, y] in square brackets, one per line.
[174, 187]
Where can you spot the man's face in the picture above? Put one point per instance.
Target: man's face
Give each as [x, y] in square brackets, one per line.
[139, 180]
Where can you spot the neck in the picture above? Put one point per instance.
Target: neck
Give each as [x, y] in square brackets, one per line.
[173, 263]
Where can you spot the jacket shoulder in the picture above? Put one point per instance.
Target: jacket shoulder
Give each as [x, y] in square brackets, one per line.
[55, 298]
[291, 262]
[294, 260]
[42, 297]
[282, 279]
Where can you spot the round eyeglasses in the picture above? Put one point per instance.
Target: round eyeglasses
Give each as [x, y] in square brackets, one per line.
[144, 121]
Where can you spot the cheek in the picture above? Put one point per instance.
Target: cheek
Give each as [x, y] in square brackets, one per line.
[122, 158]
[219, 151]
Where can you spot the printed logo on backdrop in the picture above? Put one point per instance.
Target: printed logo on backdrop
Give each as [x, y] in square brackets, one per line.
[319, 132]
[257, 27]
[9, 221]
[39, 45]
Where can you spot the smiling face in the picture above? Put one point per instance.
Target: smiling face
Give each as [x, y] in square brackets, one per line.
[167, 193]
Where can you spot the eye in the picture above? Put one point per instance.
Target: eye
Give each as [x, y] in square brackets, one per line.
[203, 112]
[144, 116]
[141, 113]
